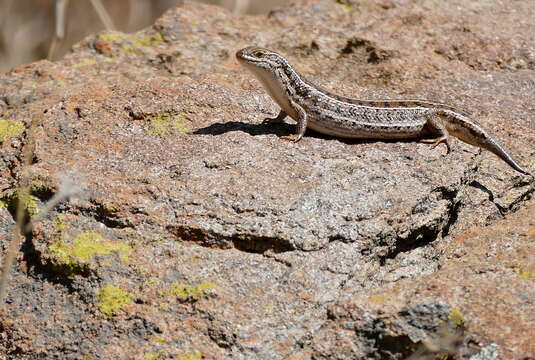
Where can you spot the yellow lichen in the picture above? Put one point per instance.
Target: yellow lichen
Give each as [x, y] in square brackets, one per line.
[85, 62]
[21, 197]
[191, 356]
[525, 275]
[41, 184]
[348, 5]
[146, 39]
[114, 37]
[191, 292]
[131, 43]
[73, 255]
[151, 356]
[111, 208]
[111, 299]
[59, 226]
[456, 317]
[29, 84]
[160, 124]
[9, 129]
[380, 299]
[30, 203]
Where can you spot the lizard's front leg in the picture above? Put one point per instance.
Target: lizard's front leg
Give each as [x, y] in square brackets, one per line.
[301, 123]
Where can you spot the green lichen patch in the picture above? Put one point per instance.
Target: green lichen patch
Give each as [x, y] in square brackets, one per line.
[150, 39]
[86, 62]
[110, 208]
[20, 197]
[191, 292]
[526, 275]
[29, 84]
[72, 256]
[42, 186]
[153, 356]
[161, 124]
[132, 43]
[196, 355]
[457, 317]
[348, 5]
[59, 226]
[114, 37]
[9, 129]
[380, 299]
[111, 299]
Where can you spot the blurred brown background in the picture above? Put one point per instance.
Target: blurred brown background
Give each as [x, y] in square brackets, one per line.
[28, 27]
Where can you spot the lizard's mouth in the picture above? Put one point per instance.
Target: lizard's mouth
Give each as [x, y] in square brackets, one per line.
[244, 55]
[240, 54]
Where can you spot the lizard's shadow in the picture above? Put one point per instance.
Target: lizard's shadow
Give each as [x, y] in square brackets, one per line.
[282, 129]
[251, 129]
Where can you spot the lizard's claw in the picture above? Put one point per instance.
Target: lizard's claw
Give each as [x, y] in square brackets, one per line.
[293, 137]
[437, 142]
[269, 121]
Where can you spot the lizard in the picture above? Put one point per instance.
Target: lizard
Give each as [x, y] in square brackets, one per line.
[325, 112]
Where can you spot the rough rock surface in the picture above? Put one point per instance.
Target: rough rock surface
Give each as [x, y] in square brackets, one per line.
[201, 234]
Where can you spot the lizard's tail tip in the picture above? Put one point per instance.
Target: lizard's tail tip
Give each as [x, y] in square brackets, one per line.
[522, 171]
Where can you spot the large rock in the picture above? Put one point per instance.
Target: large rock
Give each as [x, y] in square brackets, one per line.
[200, 233]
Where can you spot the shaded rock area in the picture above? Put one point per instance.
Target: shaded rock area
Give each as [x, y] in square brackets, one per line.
[201, 234]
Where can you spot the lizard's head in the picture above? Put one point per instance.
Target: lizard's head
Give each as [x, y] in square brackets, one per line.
[255, 56]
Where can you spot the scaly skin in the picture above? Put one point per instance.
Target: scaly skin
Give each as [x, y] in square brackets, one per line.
[331, 114]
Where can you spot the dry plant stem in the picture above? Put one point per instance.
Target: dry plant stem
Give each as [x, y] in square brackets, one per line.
[241, 6]
[14, 245]
[23, 225]
[52, 48]
[61, 20]
[61, 17]
[103, 14]
[5, 11]
[20, 216]
[22, 228]
[56, 199]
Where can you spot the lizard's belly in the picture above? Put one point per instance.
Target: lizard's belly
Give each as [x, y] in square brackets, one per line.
[358, 129]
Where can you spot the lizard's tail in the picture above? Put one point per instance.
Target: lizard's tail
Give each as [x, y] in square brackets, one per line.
[471, 133]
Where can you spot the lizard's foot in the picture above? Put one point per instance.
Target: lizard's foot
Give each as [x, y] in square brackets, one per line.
[438, 141]
[293, 137]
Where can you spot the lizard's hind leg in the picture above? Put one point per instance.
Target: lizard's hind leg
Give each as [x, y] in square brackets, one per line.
[436, 127]
[276, 120]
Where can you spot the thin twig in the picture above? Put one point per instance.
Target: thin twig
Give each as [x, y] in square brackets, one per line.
[66, 190]
[103, 14]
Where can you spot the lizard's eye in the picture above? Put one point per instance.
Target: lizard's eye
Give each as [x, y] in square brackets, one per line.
[258, 53]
